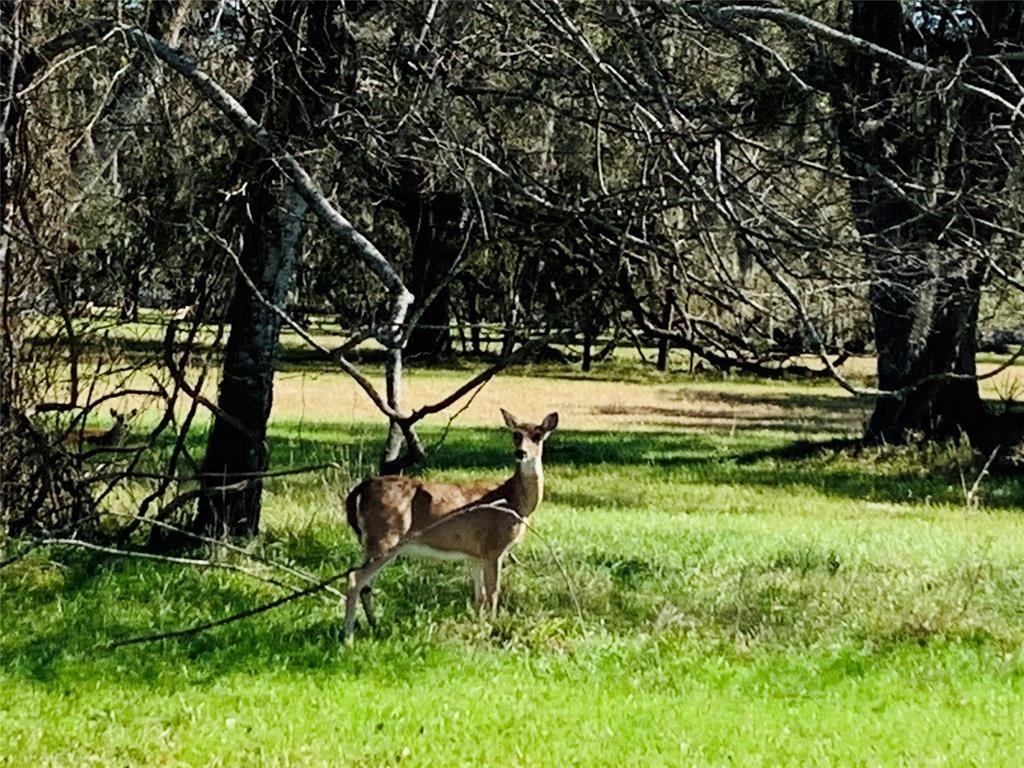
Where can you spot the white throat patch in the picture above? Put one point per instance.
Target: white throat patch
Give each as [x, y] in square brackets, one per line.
[531, 467]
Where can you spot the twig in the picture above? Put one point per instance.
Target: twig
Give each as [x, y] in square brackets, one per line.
[55, 542]
[304, 575]
[333, 354]
[971, 496]
[785, 17]
[558, 560]
[280, 472]
[451, 419]
[194, 630]
[20, 554]
[381, 561]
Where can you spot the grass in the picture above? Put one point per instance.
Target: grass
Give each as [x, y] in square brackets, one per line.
[735, 608]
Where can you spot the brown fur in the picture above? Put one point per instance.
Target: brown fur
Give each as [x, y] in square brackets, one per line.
[102, 438]
[389, 510]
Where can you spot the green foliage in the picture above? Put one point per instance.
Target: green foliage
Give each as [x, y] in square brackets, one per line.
[735, 608]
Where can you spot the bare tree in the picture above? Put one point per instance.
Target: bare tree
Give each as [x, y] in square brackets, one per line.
[928, 167]
[301, 54]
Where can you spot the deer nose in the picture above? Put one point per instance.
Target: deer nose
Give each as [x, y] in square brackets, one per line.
[520, 454]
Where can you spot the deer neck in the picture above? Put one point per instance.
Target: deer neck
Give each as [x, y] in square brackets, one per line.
[526, 487]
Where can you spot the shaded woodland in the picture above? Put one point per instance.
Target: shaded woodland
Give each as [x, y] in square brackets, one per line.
[771, 189]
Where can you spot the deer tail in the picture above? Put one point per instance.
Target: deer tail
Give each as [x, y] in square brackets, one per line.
[352, 508]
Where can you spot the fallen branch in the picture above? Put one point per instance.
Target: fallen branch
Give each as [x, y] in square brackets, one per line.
[379, 561]
[194, 630]
[304, 575]
[196, 562]
[971, 499]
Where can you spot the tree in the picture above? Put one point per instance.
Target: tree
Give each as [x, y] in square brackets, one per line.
[927, 166]
[300, 63]
[743, 182]
[437, 225]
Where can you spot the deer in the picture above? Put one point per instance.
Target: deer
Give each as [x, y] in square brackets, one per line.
[395, 515]
[103, 438]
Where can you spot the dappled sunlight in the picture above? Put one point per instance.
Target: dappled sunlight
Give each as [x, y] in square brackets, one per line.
[689, 553]
[728, 528]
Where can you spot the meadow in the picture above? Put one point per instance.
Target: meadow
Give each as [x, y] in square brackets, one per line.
[694, 593]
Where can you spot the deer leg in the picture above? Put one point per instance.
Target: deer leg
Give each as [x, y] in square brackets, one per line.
[492, 584]
[359, 582]
[478, 584]
[354, 588]
[366, 598]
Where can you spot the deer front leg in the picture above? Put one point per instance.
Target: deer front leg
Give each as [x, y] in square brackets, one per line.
[478, 585]
[492, 584]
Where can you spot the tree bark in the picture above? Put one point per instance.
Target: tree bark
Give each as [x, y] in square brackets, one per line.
[274, 211]
[437, 229]
[234, 457]
[667, 311]
[925, 289]
[925, 325]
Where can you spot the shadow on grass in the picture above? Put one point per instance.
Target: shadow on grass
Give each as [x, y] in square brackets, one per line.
[55, 630]
[98, 600]
[626, 466]
[748, 411]
[56, 636]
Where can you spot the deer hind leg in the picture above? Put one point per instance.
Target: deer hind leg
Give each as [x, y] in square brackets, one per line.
[492, 584]
[366, 598]
[359, 587]
[380, 548]
[354, 588]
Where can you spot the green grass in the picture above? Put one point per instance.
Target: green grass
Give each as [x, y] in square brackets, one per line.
[734, 608]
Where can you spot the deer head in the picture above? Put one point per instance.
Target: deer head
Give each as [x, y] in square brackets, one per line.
[529, 438]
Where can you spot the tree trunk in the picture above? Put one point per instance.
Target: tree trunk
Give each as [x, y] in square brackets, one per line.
[290, 101]
[925, 285]
[471, 288]
[436, 225]
[588, 345]
[131, 293]
[235, 456]
[925, 334]
[432, 338]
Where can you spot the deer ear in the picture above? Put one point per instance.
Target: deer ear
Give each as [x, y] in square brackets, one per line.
[550, 422]
[510, 420]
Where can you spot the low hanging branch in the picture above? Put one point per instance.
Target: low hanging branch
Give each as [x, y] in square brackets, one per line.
[723, 362]
[304, 184]
[787, 18]
[405, 422]
[393, 333]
